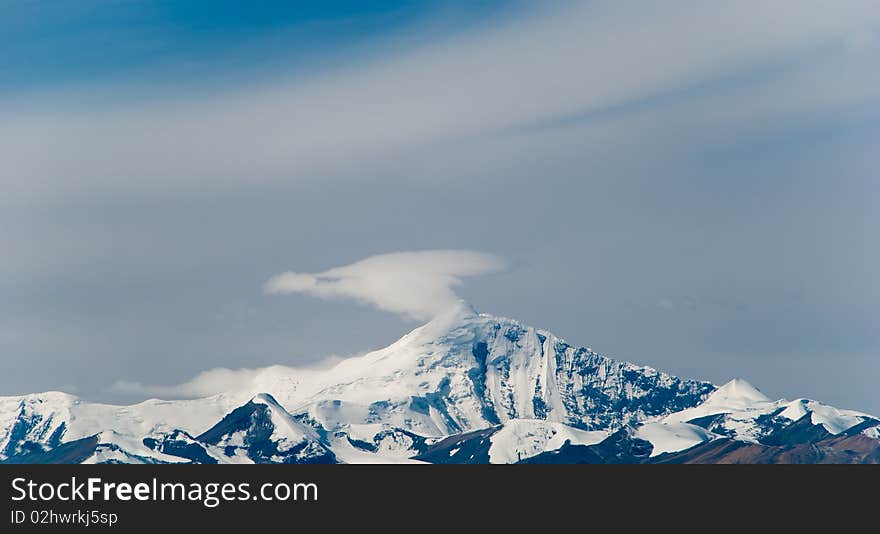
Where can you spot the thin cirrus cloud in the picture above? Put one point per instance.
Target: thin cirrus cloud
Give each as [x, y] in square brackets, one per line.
[568, 60]
[416, 285]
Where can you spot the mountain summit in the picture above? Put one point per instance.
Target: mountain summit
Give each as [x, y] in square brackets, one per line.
[464, 388]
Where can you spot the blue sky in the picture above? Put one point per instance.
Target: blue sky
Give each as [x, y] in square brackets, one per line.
[682, 185]
[83, 41]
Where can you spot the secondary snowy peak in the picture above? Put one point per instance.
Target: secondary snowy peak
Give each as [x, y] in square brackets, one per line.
[286, 431]
[739, 411]
[262, 431]
[40, 421]
[832, 419]
[736, 394]
[33, 420]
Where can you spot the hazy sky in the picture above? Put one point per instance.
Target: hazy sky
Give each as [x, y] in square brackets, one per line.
[690, 185]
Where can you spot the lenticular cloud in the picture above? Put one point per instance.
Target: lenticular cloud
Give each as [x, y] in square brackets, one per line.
[417, 285]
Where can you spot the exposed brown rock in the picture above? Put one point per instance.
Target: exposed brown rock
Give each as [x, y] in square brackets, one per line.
[857, 449]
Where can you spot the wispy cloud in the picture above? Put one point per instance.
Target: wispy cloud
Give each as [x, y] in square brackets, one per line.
[231, 381]
[204, 384]
[569, 60]
[416, 285]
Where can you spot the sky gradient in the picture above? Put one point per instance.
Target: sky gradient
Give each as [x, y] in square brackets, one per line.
[686, 186]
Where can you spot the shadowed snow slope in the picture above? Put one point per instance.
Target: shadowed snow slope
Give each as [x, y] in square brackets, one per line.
[672, 437]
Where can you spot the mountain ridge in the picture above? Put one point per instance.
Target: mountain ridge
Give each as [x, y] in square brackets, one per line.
[523, 391]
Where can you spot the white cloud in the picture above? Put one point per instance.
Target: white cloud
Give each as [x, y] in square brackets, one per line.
[204, 384]
[416, 285]
[247, 381]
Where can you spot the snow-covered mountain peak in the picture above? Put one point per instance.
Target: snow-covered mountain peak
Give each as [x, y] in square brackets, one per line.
[40, 401]
[455, 324]
[37, 417]
[834, 420]
[460, 312]
[736, 394]
[465, 370]
[465, 387]
[265, 398]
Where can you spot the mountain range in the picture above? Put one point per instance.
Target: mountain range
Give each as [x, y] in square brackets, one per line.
[464, 388]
